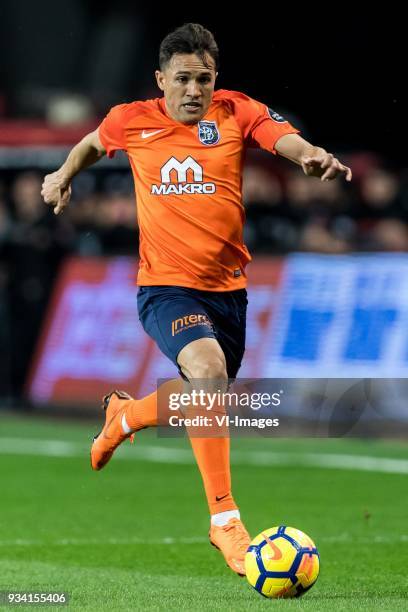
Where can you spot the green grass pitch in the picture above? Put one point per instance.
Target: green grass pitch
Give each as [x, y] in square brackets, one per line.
[134, 536]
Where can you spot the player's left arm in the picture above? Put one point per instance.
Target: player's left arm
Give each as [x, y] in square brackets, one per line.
[315, 161]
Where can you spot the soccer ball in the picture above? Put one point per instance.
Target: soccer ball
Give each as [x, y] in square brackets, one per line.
[282, 562]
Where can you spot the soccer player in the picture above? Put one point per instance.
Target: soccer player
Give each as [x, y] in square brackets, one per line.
[186, 150]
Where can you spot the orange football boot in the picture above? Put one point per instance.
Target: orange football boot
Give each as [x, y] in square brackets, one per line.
[112, 434]
[232, 540]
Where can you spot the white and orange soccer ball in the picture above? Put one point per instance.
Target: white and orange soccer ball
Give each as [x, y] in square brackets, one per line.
[282, 562]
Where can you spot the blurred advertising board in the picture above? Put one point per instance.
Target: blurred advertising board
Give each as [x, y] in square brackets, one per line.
[309, 316]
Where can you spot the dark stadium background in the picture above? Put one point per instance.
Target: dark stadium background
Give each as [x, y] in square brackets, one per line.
[337, 67]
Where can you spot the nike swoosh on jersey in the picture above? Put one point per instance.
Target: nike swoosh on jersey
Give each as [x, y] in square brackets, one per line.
[148, 134]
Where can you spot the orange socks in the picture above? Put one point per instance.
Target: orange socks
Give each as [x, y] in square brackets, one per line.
[211, 453]
[211, 447]
[143, 413]
[212, 456]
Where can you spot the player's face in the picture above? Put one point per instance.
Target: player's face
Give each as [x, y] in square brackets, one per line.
[188, 86]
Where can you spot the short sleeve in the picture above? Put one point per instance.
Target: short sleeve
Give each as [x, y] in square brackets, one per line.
[111, 130]
[261, 126]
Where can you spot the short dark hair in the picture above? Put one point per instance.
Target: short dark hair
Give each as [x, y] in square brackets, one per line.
[188, 38]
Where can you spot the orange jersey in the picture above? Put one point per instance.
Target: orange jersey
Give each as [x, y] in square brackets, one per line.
[188, 181]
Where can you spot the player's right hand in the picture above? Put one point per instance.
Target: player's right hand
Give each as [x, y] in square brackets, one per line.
[56, 191]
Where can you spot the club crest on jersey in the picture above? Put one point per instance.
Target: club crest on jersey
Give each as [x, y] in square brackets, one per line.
[208, 132]
[276, 116]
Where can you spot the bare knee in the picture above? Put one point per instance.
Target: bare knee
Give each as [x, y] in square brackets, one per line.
[203, 359]
[213, 368]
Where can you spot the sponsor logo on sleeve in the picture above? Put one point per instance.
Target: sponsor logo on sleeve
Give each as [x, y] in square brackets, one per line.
[276, 116]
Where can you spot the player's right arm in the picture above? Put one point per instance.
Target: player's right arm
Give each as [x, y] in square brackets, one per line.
[56, 188]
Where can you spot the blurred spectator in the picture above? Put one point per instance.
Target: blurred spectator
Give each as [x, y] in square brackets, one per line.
[322, 212]
[299, 191]
[379, 190]
[5, 220]
[389, 235]
[115, 222]
[306, 215]
[380, 200]
[319, 239]
[268, 228]
[82, 215]
[259, 185]
[5, 368]
[32, 252]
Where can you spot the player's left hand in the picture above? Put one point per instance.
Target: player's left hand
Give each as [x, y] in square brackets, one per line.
[326, 167]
